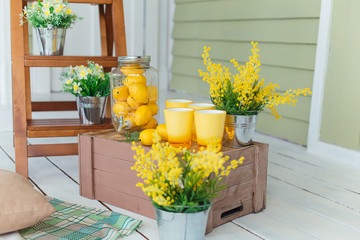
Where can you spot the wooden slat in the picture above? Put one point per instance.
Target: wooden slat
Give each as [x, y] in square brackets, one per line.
[19, 88]
[245, 10]
[85, 1]
[291, 31]
[298, 131]
[64, 61]
[274, 54]
[119, 27]
[260, 172]
[109, 29]
[86, 166]
[38, 128]
[125, 201]
[103, 33]
[284, 76]
[41, 150]
[54, 106]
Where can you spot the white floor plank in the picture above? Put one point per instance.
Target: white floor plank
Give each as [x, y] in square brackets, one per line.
[308, 221]
[268, 227]
[311, 202]
[230, 231]
[329, 191]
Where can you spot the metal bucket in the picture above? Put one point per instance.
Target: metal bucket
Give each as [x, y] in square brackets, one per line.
[239, 130]
[181, 226]
[91, 109]
[51, 41]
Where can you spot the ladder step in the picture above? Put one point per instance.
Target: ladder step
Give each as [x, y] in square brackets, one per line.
[63, 149]
[65, 61]
[53, 106]
[38, 128]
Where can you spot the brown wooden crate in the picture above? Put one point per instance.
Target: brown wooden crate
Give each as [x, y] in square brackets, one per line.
[105, 175]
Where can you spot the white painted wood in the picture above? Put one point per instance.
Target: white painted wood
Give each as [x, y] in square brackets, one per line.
[230, 231]
[314, 203]
[316, 225]
[268, 227]
[5, 54]
[322, 53]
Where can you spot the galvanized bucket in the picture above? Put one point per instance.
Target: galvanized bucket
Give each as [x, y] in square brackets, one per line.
[91, 109]
[239, 130]
[51, 41]
[181, 226]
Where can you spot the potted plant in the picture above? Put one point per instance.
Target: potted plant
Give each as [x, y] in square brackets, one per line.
[243, 96]
[50, 18]
[181, 185]
[91, 86]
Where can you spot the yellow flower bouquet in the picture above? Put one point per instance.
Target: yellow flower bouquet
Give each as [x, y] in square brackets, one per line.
[243, 93]
[183, 184]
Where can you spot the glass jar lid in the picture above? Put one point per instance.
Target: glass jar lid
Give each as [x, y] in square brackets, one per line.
[134, 59]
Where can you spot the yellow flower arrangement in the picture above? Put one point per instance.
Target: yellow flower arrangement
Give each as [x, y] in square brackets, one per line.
[243, 93]
[181, 184]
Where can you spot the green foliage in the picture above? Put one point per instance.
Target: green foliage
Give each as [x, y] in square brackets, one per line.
[229, 102]
[131, 137]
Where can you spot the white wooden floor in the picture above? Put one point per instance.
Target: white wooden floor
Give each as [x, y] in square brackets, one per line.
[308, 196]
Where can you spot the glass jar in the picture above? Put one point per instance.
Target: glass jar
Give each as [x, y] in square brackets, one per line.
[134, 94]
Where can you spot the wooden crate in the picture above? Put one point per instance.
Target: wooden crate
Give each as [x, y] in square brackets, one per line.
[105, 175]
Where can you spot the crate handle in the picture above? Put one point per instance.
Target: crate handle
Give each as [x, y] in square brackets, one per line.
[232, 211]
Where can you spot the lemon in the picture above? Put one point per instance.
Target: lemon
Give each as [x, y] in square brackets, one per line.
[132, 103]
[142, 115]
[121, 108]
[135, 79]
[153, 108]
[130, 120]
[121, 93]
[132, 70]
[138, 92]
[146, 137]
[161, 129]
[152, 93]
[152, 123]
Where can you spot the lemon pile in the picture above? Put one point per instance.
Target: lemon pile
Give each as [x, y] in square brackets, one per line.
[135, 100]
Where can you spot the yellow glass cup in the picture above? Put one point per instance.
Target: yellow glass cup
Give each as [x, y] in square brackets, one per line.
[199, 106]
[177, 103]
[179, 126]
[209, 124]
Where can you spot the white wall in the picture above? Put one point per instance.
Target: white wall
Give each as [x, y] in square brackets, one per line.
[147, 33]
[5, 53]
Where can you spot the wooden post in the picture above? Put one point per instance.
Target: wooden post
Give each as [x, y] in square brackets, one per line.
[19, 73]
[119, 28]
[86, 166]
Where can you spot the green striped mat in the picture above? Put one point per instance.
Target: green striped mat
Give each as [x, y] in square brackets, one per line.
[76, 222]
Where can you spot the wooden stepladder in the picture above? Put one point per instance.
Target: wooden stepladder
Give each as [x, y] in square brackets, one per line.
[112, 34]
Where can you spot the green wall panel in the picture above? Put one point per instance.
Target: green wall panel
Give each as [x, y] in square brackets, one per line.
[244, 10]
[287, 35]
[341, 111]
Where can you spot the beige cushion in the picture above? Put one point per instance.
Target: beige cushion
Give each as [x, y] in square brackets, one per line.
[21, 206]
